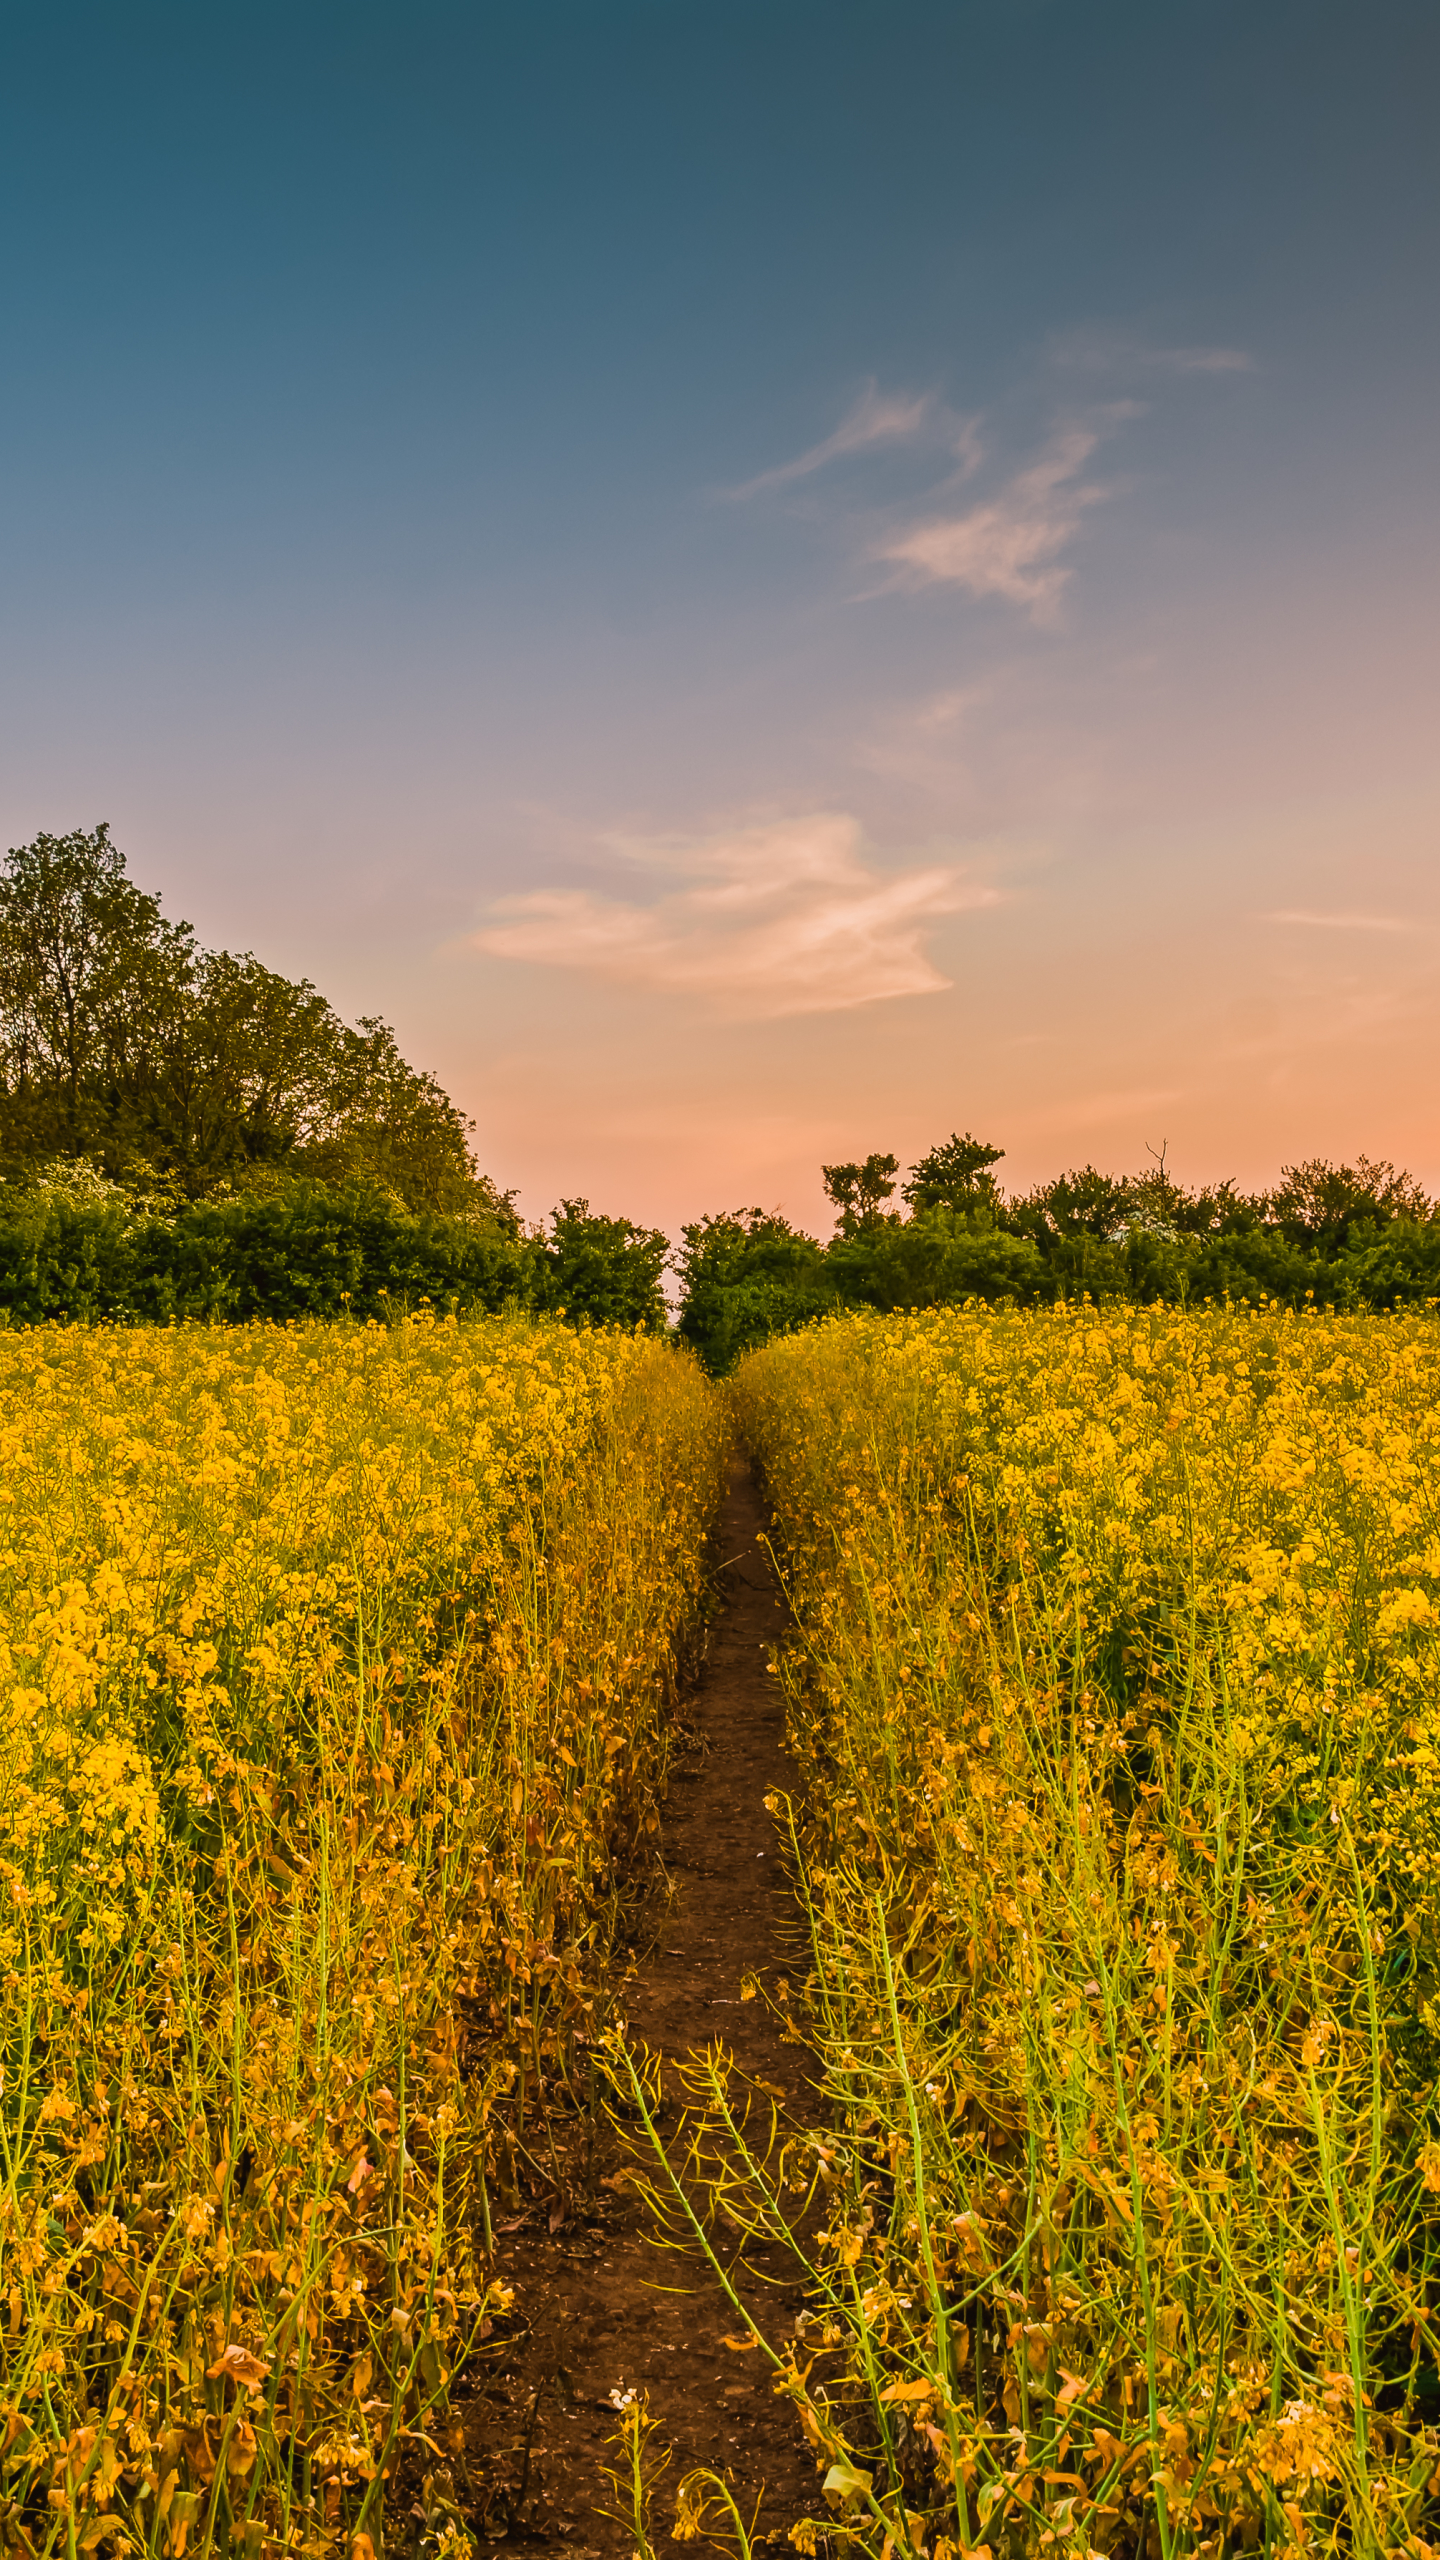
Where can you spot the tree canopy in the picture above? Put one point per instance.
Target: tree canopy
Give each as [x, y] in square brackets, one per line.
[859, 1191]
[124, 1041]
[954, 1176]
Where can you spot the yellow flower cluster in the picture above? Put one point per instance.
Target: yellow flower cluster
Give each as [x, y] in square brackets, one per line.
[335, 1664]
[1115, 1691]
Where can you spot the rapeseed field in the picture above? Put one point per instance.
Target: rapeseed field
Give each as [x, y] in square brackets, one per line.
[335, 1663]
[1114, 1689]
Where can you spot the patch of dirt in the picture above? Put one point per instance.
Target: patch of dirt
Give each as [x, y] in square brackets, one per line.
[598, 2296]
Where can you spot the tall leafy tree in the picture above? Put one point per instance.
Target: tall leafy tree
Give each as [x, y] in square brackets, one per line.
[91, 979]
[123, 1040]
[859, 1191]
[955, 1176]
[1323, 1205]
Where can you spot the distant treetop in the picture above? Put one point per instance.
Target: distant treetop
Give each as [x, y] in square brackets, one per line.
[954, 1176]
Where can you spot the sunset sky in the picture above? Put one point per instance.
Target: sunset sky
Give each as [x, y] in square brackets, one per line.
[765, 581]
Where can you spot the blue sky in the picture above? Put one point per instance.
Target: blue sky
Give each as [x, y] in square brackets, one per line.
[764, 581]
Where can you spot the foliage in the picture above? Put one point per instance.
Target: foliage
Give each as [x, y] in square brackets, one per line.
[1340, 1236]
[122, 1039]
[599, 1270]
[301, 1249]
[77, 1248]
[1113, 1690]
[745, 1275]
[337, 1662]
[860, 1191]
[955, 1176]
[936, 1256]
[1330, 1206]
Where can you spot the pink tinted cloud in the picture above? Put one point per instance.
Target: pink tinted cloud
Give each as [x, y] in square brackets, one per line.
[1343, 923]
[874, 419]
[783, 917]
[1008, 545]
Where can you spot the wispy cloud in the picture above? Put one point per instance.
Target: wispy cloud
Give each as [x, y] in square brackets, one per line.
[1203, 360]
[777, 918]
[1337, 923]
[945, 711]
[1008, 545]
[874, 419]
[1116, 351]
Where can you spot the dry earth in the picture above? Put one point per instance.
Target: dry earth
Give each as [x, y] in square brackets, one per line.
[606, 2309]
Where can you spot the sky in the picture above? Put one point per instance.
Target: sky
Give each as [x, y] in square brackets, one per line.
[766, 579]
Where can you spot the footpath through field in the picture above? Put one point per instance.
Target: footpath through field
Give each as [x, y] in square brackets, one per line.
[604, 2316]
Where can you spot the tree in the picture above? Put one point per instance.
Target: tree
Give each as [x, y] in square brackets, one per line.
[955, 1176]
[602, 1270]
[1083, 1203]
[1323, 1205]
[122, 1039]
[859, 1191]
[396, 1125]
[92, 978]
[746, 1274]
[245, 1079]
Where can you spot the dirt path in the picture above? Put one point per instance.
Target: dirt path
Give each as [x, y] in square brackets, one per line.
[604, 2316]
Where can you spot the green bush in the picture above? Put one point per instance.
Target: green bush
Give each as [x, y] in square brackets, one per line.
[745, 1275]
[939, 1257]
[76, 1249]
[598, 1270]
[305, 1251]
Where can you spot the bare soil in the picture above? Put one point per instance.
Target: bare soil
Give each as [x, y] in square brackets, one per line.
[605, 2309]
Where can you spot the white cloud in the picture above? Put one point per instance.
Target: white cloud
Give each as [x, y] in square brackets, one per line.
[874, 419]
[1337, 923]
[777, 918]
[1008, 545]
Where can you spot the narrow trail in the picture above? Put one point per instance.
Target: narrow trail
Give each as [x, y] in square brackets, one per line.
[598, 2294]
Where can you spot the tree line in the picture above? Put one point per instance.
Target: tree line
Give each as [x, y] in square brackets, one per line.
[186, 1133]
[1338, 1235]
